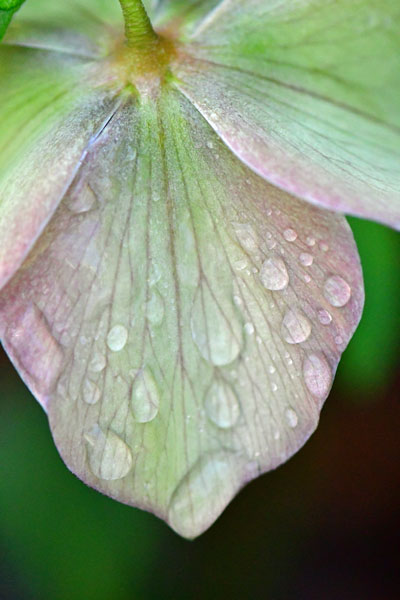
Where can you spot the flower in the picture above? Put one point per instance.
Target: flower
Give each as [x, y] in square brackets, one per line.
[175, 292]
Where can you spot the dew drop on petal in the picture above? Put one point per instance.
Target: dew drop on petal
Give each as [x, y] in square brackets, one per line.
[296, 327]
[273, 274]
[82, 201]
[306, 259]
[290, 235]
[310, 241]
[117, 338]
[155, 308]
[337, 291]
[221, 404]
[91, 392]
[98, 363]
[249, 328]
[317, 375]
[109, 456]
[145, 399]
[291, 417]
[246, 236]
[324, 317]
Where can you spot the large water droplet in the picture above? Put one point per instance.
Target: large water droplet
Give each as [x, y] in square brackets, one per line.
[317, 375]
[337, 291]
[273, 274]
[306, 259]
[155, 308]
[117, 338]
[216, 330]
[34, 350]
[109, 456]
[83, 201]
[145, 399]
[296, 328]
[291, 417]
[221, 404]
[204, 492]
[91, 392]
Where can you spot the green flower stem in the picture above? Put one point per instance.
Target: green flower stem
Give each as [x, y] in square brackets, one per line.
[138, 30]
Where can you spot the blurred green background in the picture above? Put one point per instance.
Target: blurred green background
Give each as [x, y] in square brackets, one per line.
[323, 526]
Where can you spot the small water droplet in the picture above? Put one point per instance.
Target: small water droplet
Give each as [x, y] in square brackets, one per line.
[291, 417]
[246, 236]
[317, 375]
[109, 456]
[325, 318]
[274, 387]
[83, 201]
[271, 369]
[290, 235]
[307, 278]
[210, 145]
[91, 392]
[273, 274]
[296, 327]
[145, 398]
[117, 338]
[337, 291]
[338, 340]
[306, 259]
[155, 308]
[310, 241]
[221, 405]
[98, 363]
[240, 264]
[249, 328]
[323, 247]
[277, 435]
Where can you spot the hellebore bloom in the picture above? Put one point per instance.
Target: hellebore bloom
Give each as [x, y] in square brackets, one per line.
[177, 288]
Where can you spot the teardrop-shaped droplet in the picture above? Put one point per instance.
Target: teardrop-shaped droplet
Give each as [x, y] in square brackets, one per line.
[204, 492]
[317, 375]
[109, 456]
[337, 291]
[117, 338]
[324, 317]
[273, 274]
[216, 329]
[145, 399]
[296, 327]
[222, 405]
[35, 351]
[246, 236]
[82, 201]
[91, 392]
[155, 308]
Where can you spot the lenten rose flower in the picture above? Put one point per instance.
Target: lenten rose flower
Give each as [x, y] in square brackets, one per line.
[177, 282]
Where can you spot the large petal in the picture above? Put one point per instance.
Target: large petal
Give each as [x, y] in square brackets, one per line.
[180, 319]
[307, 94]
[49, 117]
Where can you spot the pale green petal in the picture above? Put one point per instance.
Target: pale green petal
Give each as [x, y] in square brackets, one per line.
[307, 94]
[180, 319]
[49, 118]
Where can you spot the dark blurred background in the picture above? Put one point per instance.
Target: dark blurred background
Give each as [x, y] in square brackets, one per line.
[323, 526]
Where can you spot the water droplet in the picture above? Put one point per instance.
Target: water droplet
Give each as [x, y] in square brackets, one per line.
[296, 328]
[240, 264]
[317, 375]
[291, 417]
[35, 352]
[98, 363]
[204, 492]
[306, 259]
[249, 328]
[307, 278]
[109, 456]
[338, 340]
[271, 369]
[274, 387]
[221, 404]
[337, 291]
[273, 274]
[216, 330]
[117, 338]
[210, 145]
[310, 241]
[323, 247]
[83, 201]
[277, 435]
[91, 392]
[290, 235]
[325, 318]
[145, 398]
[246, 236]
[155, 308]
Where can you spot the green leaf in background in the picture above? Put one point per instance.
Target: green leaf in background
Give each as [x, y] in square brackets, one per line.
[7, 9]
